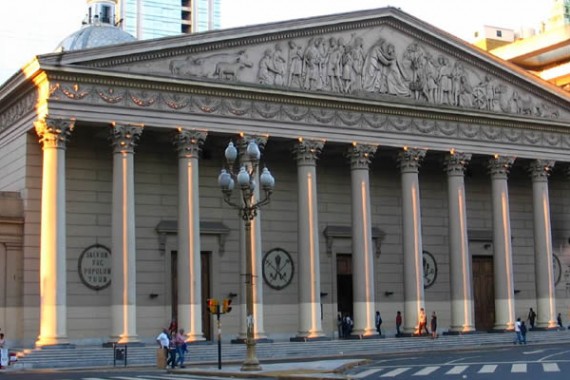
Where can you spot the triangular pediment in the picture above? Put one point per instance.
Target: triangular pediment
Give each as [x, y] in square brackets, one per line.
[383, 54]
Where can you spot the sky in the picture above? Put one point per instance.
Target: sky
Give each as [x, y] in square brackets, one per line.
[32, 27]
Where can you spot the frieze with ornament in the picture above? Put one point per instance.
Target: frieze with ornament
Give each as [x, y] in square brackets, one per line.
[18, 110]
[217, 105]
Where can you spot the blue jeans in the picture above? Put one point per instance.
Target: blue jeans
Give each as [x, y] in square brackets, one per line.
[180, 354]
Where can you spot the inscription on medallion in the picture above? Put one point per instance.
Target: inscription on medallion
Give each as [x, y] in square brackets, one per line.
[94, 267]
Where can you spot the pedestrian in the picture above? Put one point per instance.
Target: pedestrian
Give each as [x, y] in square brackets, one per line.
[339, 325]
[531, 318]
[171, 352]
[422, 325]
[518, 336]
[523, 333]
[163, 342]
[398, 323]
[181, 347]
[346, 326]
[433, 325]
[378, 323]
[559, 320]
[3, 352]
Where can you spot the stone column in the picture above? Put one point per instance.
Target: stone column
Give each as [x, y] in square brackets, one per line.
[543, 269]
[362, 248]
[409, 161]
[188, 143]
[123, 284]
[306, 153]
[256, 252]
[462, 305]
[53, 134]
[503, 256]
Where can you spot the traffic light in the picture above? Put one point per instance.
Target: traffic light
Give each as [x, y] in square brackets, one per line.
[227, 305]
[213, 305]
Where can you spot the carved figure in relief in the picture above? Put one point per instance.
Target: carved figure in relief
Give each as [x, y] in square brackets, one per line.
[295, 65]
[430, 75]
[230, 69]
[279, 63]
[358, 58]
[266, 73]
[348, 74]
[333, 64]
[445, 83]
[382, 72]
[312, 65]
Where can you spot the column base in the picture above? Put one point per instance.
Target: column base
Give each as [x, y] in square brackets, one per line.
[309, 338]
[546, 328]
[240, 340]
[131, 344]
[453, 332]
[360, 337]
[56, 345]
[500, 331]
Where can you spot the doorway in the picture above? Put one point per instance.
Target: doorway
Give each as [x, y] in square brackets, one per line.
[484, 292]
[205, 258]
[344, 284]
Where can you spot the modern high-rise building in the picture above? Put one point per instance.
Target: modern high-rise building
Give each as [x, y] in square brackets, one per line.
[146, 19]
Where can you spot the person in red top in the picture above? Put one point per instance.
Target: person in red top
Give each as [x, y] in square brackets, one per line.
[398, 323]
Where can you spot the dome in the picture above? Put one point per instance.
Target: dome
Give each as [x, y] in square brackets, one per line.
[91, 36]
[99, 28]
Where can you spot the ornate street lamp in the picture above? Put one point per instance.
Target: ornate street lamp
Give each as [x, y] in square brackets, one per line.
[247, 207]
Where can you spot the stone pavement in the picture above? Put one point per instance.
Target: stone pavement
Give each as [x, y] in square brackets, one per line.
[317, 369]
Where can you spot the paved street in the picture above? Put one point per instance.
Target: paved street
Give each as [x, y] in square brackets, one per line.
[517, 362]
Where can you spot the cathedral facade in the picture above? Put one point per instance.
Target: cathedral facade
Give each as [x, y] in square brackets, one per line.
[412, 171]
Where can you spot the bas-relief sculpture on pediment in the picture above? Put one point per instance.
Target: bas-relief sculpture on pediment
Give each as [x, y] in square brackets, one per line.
[370, 63]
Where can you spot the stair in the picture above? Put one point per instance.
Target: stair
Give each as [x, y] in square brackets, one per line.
[97, 356]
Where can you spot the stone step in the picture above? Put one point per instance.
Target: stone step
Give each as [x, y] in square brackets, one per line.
[97, 356]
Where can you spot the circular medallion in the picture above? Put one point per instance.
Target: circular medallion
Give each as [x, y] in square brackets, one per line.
[556, 269]
[430, 269]
[277, 268]
[95, 267]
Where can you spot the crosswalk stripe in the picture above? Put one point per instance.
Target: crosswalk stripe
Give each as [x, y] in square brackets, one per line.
[457, 370]
[366, 373]
[488, 368]
[426, 371]
[395, 372]
[550, 367]
[518, 368]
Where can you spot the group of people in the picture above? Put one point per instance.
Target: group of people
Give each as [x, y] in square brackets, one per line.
[174, 346]
[345, 324]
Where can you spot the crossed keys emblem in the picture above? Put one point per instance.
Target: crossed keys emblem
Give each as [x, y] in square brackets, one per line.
[277, 268]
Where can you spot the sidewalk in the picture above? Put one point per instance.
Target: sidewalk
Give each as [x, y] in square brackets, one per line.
[319, 369]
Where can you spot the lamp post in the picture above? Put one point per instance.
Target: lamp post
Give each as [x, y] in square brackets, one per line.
[247, 208]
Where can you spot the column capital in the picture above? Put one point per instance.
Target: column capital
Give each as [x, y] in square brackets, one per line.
[124, 137]
[455, 163]
[188, 142]
[540, 169]
[500, 166]
[307, 151]
[360, 155]
[54, 133]
[410, 159]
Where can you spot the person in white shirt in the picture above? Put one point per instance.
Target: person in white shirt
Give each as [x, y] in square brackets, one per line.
[518, 338]
[163, 340]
